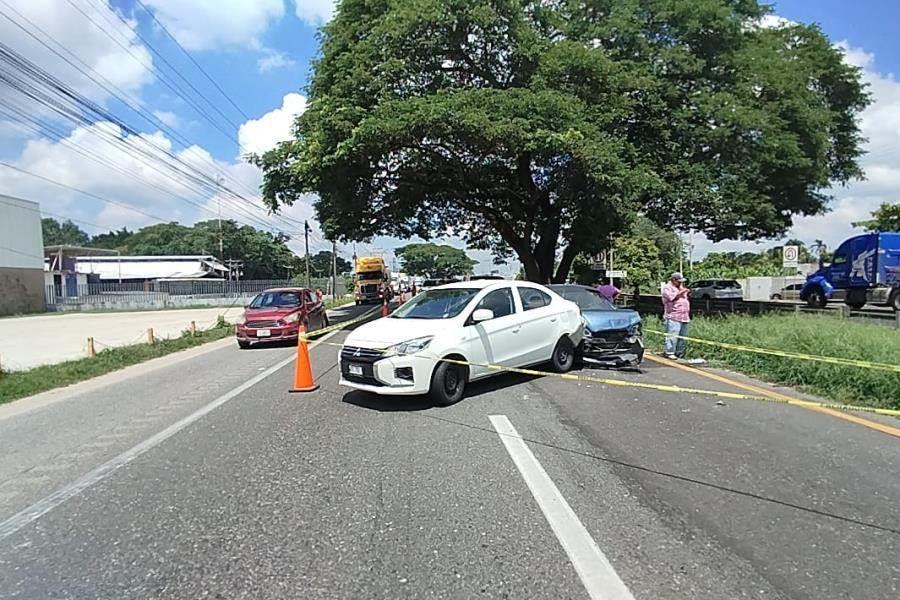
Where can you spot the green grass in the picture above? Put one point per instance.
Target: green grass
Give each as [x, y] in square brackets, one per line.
[820, 335]
[339, 302]
[20, 384]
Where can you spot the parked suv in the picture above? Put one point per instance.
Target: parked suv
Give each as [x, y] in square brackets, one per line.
[716, 289]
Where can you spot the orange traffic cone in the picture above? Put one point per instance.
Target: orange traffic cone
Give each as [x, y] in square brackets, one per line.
[384, 308]
[303, 377]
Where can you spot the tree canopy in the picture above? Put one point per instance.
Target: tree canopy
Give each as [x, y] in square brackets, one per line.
[66, 233]
[433, 260]
[265, 255]
[320, 264]
[540, 128]
[884, 218]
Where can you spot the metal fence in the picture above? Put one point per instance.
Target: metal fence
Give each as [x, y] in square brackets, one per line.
[162, 293]
[653, 304]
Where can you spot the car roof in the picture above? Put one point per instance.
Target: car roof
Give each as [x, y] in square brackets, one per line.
[283, 289]
[478, 284]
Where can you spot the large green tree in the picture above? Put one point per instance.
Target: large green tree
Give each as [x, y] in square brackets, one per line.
[433, 260]
[112, 240]
[320, 264]
[540, 128]
[884, 218]
[265, 255]
[66, 233]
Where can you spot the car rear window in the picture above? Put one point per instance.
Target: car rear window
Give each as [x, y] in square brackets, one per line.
[532, 298]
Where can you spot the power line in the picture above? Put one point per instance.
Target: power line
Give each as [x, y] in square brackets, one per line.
[68, 113]
[188, 54]
[136, 107]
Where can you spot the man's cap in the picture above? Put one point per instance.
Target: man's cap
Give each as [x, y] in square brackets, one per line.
[677, 276]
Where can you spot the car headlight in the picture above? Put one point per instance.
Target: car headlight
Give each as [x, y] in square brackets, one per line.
[635, 329]
[409, 346]
[291, 318]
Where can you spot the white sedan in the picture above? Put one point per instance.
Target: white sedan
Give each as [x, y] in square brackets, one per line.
[477, 323]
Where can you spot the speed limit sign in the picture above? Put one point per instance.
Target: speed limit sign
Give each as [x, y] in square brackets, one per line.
[790, 256]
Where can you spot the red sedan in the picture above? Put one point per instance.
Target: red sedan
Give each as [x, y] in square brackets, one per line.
[276, 315]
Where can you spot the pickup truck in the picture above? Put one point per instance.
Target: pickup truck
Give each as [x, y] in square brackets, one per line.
[865, 269]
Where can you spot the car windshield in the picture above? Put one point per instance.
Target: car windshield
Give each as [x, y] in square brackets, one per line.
[436, 304]
[276, 300]
[729, 284]
[370, 275]
[585, 299]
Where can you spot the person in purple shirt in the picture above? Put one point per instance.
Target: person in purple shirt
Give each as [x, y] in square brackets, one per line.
[607, 289]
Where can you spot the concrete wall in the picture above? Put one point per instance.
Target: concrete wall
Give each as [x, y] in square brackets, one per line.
[21, 291]
[21, 257]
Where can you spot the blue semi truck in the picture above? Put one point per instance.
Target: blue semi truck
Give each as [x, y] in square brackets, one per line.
[865, 269]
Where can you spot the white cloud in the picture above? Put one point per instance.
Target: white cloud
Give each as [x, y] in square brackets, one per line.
[262, 134]
[167, 117]
[314, 12]
[95, 44]
[273, 59]
[207, 24]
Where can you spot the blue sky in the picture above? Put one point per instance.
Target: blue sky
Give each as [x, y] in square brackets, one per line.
[259, 52]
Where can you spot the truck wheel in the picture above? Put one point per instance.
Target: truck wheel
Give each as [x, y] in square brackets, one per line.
[856, 299]
[895, 300]
[816, 298]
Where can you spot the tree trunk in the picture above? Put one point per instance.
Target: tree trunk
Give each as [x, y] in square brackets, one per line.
[565, 263]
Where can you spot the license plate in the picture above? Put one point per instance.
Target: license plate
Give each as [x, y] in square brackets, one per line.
[355, 370]
[263, 333]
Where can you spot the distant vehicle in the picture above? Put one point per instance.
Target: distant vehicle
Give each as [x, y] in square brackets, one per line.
[480, 322]
[716, 289]
[865, 268]
[789, 292]
[373, 280]
[612, 335]
[486, 277]
[276, 315]
[433, 283]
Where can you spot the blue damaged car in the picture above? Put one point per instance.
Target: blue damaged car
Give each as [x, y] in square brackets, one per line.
[612, 335]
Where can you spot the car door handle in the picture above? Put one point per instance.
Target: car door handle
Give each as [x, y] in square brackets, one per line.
[517, 329]
[553, 319]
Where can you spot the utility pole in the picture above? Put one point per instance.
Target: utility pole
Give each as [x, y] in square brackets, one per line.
[221, 182]
[306, 236]
[334, 271]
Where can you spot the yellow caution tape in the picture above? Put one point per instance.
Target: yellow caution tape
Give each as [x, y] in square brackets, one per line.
[661, 387]
[311, 334]
[834, 360]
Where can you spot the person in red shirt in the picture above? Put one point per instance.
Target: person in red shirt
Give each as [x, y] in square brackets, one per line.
[676, 315]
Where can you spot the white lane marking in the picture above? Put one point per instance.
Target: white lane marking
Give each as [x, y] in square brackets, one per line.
[596, 573]
[48, 503]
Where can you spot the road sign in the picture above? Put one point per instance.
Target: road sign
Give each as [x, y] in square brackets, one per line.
[618, 274]
[790, 256]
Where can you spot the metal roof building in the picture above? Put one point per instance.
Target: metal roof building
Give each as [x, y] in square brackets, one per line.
[151, 268]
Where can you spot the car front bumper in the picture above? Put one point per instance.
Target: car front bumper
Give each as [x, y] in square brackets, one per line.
[613, 348]
[393, 376]
[250, 335]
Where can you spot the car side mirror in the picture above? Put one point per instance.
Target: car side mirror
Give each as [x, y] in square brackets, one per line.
[482, 314]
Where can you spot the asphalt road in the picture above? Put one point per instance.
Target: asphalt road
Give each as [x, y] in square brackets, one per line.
[120, 493]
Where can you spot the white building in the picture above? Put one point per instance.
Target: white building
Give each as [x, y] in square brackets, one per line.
[21, 257]
[150, 268]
